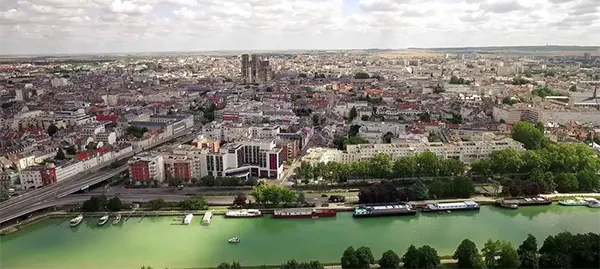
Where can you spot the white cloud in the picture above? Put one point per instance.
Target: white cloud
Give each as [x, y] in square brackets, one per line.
[76, 26]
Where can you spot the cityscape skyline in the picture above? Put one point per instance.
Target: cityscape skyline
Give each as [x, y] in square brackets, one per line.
[104, 26]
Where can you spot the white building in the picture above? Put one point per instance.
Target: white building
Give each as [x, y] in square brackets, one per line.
[466, 152]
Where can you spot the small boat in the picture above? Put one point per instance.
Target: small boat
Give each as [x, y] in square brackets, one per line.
[117, 219]
[510, 206]
[188, 219]
[103, 220]
[207, 218]
[75, 221]
[234, 240]
[577, 202]
[592, 202]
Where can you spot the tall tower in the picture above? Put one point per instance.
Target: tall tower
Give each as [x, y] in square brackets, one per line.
[255, 65]
[245, 68]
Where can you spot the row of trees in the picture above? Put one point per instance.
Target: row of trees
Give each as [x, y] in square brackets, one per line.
[381, 166]
[562, 167]
[564, 250]
[191, 203]
[386, 192]
[101, 202]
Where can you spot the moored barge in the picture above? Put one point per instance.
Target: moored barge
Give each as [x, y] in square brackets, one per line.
[246, 213]
[444, 207]
[383, 211]
[303, 213]
[514, 203]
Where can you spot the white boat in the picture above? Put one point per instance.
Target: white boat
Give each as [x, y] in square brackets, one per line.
[117, 219]
[234, 240]
[188, 218]
[577, 202]
[592, 202]
[207, 218]
[75, 221]
[246, 213]
[103, 220]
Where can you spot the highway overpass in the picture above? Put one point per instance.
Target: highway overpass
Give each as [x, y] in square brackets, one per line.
[46, 196]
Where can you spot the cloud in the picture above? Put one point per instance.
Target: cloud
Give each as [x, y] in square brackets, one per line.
[81, 26]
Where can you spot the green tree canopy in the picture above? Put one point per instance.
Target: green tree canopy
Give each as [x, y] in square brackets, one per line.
[528, 253]
[528, 134]
[114, 204]
[389, 260]
[468, 255]
[349, 259]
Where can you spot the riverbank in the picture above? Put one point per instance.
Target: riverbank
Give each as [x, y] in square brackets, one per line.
[444, 263]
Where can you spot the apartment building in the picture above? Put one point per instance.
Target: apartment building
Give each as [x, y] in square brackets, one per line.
[179, 166]
[213, 145]
[147, 167]
[465, 151]
[37, 176]
[374, 131]
[252, 158]
[290, 149]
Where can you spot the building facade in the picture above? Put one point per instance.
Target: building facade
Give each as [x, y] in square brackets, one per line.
[147, 167]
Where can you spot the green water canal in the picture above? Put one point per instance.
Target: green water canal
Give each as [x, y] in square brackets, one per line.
[156, 242]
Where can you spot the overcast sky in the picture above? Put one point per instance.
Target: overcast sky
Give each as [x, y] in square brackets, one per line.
[101, 26]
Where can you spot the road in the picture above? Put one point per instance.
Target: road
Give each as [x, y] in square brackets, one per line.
[44, 197]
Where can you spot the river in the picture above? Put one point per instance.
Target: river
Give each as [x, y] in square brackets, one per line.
[157, 243]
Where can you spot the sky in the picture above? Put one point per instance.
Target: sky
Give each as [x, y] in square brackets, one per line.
[117, 26]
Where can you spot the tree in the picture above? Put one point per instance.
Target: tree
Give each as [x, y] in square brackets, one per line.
[156, 204]
[509, 258]
[411, 257]
[420, 191]
[390, 260]
[528, 134]
[194, 203]
[240, 199]
[573, 88]
[52, 129]
[95, 203]
[236, 265]
[500, 254]
[364, 257]
[301, 199]
[114, 204]
[292, 264]
[352, 114]
[428, 257]
[439, 189]
[588, 180]
[273, 194]
[490, 250]
[468, 255]
[566, 250]
[224, 265]
[60, 155]
[566, 182]
[528, 253]
[349, 259]
[463, 187]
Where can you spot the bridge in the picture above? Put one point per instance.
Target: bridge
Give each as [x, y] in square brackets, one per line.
[47, 196]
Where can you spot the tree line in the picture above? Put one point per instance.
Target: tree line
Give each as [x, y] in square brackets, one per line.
[387, 192]
[561, 167]
[101, 203]
[196, 202]
[563, 250]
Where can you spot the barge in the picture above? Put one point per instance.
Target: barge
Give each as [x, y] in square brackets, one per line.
[514, 203]
[445, 207]
[383, 211]
[246, 213]
[304, 213]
